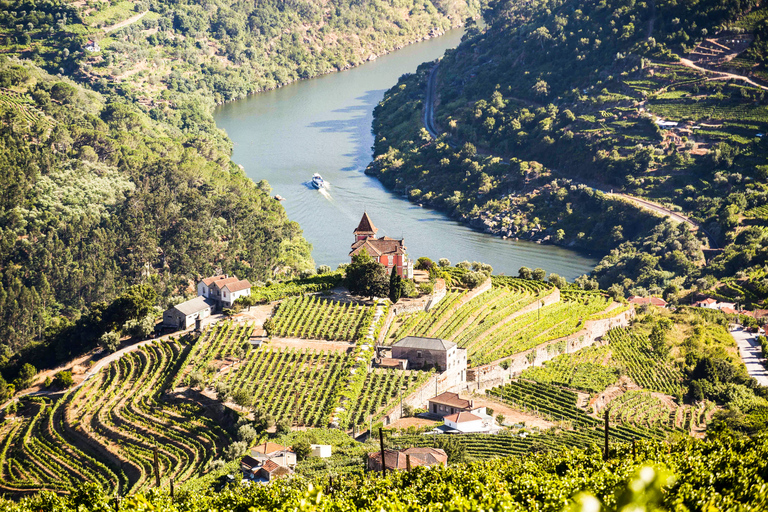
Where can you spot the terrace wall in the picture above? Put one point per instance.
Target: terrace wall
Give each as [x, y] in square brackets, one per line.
[491, 375]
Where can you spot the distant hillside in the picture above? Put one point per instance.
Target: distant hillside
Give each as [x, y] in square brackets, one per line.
[610, 96]
[97, 196]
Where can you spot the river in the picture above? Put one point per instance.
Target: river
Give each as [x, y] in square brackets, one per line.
[323, 126]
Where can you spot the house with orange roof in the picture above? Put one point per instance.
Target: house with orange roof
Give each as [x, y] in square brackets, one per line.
[273, 451]
[390, 252]
[400, 459]
[224, 290]
[648, 301]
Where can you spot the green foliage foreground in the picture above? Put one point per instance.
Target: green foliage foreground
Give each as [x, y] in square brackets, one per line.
[724, 473]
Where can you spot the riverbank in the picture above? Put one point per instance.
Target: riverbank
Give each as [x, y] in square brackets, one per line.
[330, 119]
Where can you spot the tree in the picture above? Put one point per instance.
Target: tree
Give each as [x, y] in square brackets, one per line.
[444, 262]
[366, 276]
[524, 273]
[283, 427]
[262, 420]
[196, 379]
[323, 269]
[539, 274]
[423, 263]
[557, 280]
[110, 341]
[222, 391]
[395, 286]
[236, 450]
[247, 434]
[302, 448]
[269, 325]
[658, 341]
[63, 380]
[25, 376]
[242, 397]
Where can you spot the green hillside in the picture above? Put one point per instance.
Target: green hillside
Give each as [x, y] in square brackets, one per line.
[551, 101]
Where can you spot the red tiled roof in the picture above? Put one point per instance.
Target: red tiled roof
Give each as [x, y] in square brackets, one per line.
[271, 466]
[462, 417]
[451, 399]
[378, 246]
[221, 283]
[728, 311]
[419, 457]
[268, 448]
[655, 301]
[239, 285]
[208, 280]
[365, 227]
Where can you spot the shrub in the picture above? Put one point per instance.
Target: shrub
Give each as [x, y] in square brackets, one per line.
[283, 427]
[444, 262]
[63, 380]
[236, 450]
[423, 263]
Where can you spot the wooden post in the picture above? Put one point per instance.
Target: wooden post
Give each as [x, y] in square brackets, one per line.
[172, 493]
[383, 460]
[634, 449]
[407, 462]
[157, 468]
[605, 454]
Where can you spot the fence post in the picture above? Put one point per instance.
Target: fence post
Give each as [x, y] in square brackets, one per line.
[408, 462]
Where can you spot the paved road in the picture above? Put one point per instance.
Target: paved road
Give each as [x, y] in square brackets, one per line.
[428, 119]
[751, 354]
[429, 104]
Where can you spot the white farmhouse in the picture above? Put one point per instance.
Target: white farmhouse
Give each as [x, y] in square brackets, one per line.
[321, 450]
[224, 290]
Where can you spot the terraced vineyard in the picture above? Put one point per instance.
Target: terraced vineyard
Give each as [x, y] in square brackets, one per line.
[312, 317]
[495, 338]
[382, 389]
[589, 369]
[560, 405]
[454, 314]
[22, 104]
[634, 355]
[104, 431]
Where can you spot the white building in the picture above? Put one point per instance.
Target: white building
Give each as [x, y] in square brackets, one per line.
[321, 450]
[182, 316]
[224, 290]
[464, 422]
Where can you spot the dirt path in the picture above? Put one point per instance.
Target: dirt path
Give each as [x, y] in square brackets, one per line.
[723, 75]
[125, 23]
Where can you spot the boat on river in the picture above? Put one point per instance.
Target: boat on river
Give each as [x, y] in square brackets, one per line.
[317, 181]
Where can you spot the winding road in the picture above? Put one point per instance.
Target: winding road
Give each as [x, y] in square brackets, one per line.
[428, 119]
[751, 353]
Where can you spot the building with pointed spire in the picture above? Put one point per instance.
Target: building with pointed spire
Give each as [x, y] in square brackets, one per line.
[390, 252]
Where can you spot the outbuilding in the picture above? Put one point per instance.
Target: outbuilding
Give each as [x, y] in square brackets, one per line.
[182, 316]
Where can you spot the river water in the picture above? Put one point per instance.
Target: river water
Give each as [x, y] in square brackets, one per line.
[323, 126]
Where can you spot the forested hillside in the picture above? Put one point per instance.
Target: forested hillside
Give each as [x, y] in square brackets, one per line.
[557, 102]
[98, 196]
[113, 171]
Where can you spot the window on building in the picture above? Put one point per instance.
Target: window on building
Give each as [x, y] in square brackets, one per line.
[418, 354]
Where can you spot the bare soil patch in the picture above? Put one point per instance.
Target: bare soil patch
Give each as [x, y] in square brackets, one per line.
[337, 346]
[413, 422]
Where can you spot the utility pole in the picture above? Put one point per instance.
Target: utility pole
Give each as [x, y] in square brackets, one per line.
[157, 467]
[605, 453]
[383, 460]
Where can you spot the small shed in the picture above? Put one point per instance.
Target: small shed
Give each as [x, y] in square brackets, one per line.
[321, 450]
